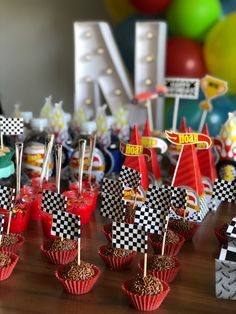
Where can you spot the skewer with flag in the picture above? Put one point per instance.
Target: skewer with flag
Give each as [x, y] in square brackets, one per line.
[10, 126]
[7, 197]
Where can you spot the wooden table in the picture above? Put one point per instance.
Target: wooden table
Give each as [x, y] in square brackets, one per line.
[33, 288]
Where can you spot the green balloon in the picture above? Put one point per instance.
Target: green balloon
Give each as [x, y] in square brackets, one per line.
[193, 18]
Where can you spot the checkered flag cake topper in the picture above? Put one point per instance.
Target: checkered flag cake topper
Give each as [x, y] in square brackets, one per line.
[52, 201]
[231, 230]
[224, 191]
[7, 196]
[228, 253]
[130, 177]
[129, 237]
[154, 212]
[65, 225]
[179, 197]
[110, 186]
[11, 126]
[2, 219]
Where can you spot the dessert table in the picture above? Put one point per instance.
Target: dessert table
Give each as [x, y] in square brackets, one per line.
[33, 288]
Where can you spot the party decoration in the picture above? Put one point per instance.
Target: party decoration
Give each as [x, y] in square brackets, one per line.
[47, 108]
[225, 266]
[212, 87]
[184, 58]
[192, 19]
[181, 88]
[119, 9]
[11, 126]
[7, 196]
[220, 51]
[224, 191]
[188, 138]
[52, 201]
[121, 125]
[150, 55]
[151, 6]
[130, 177]
[98, 63]
[103, 135]
[65, 225]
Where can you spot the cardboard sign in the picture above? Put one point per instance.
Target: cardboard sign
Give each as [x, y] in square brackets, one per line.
[185, 88]
[188, 138]
[154, 142]
[213, 87]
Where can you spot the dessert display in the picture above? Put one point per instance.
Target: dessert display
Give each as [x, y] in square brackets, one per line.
[78, 279]
[60, 251]
[173, 244]
[8, 261]
[130, 213]
[107, 230]
[11, 242]
[185, 228]
[145, 293]
[115, 258]
[163, 267]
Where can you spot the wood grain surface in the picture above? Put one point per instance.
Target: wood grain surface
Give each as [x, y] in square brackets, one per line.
[33, 288]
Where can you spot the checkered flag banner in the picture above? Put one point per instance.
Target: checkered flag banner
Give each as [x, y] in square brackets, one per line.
[110, 186]
[224, 191]
[130, 177]
[52, 201]
[7, 196]
[65, 225]
[11, 126]
[154, 212]
[179, 197]
[231, 230]
[112, 206]
[228, 253]
[2, 219]
[129, 237]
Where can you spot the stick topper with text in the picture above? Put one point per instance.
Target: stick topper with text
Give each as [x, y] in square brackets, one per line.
[188, 138]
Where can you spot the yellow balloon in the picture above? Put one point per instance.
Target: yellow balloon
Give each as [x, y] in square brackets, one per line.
[119, 9]
[220, 51]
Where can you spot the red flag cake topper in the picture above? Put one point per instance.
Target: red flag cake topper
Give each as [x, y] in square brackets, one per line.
[188, 138]
[137, 162]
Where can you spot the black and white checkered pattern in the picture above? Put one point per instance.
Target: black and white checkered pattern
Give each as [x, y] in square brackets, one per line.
[110, 186]
[129, 237]
[231, 230]
[228, 253]
[129, 177]
[11, 126]
[224, 191]
[7, 196]
[179, 196]
[156, 195]
[65, 225]
[2, 219]
[52, 201]
[155, 218]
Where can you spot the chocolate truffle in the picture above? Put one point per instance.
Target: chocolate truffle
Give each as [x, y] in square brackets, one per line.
[148, 285]
[73, 271]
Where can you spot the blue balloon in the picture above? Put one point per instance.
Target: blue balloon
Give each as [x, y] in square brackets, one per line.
[228, 6]
[215, 119]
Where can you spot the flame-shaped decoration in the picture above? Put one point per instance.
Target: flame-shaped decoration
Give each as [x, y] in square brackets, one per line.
[47, 108]
[228, 138]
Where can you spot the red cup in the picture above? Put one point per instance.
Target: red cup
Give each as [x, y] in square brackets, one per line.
[81, 206]
[93, 191]
[20, 218]
[46, 220]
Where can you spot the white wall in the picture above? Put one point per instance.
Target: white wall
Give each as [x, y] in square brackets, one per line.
[36, 50]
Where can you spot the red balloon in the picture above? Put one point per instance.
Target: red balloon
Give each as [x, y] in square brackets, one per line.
[185, 58]
[150, 6]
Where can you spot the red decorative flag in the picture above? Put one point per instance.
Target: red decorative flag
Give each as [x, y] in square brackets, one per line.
[206, 160]
[188, 171]
[152, 164]
[137, 162]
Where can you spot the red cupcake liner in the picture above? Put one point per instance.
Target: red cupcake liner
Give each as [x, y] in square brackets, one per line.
[107, 232]
[167, 275]
[221, 238]
[5, 272]
[171, 249]
[15, 247]
[188, 235]
[59, 257]
[145, 302]
[78, 286]
[116, 263]
[129, 221]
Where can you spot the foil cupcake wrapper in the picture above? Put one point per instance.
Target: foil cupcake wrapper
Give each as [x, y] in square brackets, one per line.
[78, 286]
[145, 303]
[15, 247]
[116, 263]
[167, 275]
[5, 272]
[171, 249]
[59, 257]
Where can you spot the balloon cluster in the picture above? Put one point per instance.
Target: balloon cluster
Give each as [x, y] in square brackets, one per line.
[202, 36]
